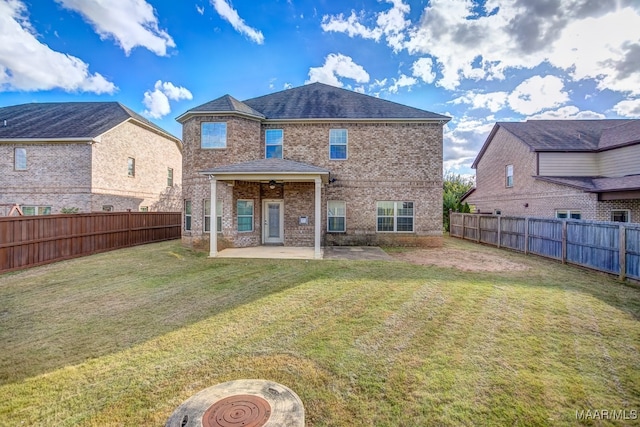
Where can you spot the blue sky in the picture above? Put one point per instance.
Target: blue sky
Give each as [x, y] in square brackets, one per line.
[477, 61]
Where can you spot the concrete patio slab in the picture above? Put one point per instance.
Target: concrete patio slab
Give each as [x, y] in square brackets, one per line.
[268, 252]
[371, 253]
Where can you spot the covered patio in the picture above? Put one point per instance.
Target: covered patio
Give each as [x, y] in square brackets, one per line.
[271, 224]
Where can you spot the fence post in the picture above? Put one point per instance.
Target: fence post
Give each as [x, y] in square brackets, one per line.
[128, 227]
[478, 230]
[526, 236]
[564, 242]
[499, 231]
[623, 252]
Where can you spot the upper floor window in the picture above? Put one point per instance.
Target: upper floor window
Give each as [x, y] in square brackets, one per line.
[395, 216]
[131, 166]
[621, 215]
[509, 174]
[273, 142]
[338, 144]
[213, 135]
[169, 177]
[20, 159]
[568, 214]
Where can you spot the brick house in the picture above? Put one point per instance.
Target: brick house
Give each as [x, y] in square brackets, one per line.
[583, 169]
[310, 166]
[92, 156]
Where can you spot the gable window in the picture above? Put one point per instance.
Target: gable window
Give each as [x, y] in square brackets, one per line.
[187, 215]
[131, 166]
[169, 177]
[245, 215]
[568, 214]
[20, 159]
[336, 216]
[207, 215]
[213, 135]
[621, 215]
[337, 144]
[273, 142]
[509, 174]
[395, 217]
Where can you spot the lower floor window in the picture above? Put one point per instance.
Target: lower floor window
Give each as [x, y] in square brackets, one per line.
[568, 214]
[36, 210]
[621, 215]
[187, 214]
[245, 215]
[207, 215]
[336, 216]
[395, 216]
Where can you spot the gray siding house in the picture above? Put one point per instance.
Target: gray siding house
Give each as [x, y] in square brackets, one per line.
[91, 156]
[585, 169]
[311, 166]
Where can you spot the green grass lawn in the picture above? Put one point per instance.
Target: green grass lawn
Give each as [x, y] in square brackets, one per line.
[122, 338]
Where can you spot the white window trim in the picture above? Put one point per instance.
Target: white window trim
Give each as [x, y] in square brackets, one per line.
[226, 136]
[169, 177]
[507, 176]
[15, 159]
[131, 167]
[568, 212]
[627, 211]
[274, 145]
[344, 204]
[396, 216]
[218, 217]
[253, 212]
[37, 210]
[346, 144]
[190, 215]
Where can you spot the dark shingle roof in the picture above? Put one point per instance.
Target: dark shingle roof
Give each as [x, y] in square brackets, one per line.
[60, 120]
[317, 101]
[267, 166]
[596, 184]
[569, 135]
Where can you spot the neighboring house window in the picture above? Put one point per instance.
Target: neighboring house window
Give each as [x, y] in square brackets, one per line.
[338, 144]
[568, 214]
[187, 214]
[131, 166]
[273, 142]
[497, 212]
[621, 215]
[207, 215]
[336, 216]
[169, 177]
[36, 210]
[245, 215]
[214, 135]
[20, 159]
[395, 216]
[107, 208]
[144, 208]
[509, 181]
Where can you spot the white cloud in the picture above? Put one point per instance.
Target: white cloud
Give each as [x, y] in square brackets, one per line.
[335, 66]
[26, 64]
[391, 23]
[200, 9]
[130, 22]
[403, 81]
[536, 94]
[570, 112]
[157, 101]
[231, 15]
[628, 108]
[423, 68]
[493, 101]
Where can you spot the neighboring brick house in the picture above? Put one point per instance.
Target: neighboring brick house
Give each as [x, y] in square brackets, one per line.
[586, 169]
[311, 166]
[89, 156]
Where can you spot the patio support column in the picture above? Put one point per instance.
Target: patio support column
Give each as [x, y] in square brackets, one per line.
[213, 223]
[318, 219]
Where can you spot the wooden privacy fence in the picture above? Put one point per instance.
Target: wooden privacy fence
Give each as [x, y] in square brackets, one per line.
[34, 240]
[604, 246]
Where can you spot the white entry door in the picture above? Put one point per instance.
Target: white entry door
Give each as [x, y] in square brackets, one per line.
[273, 221]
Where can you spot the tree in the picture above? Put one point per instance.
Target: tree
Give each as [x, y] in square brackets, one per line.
[454, 186]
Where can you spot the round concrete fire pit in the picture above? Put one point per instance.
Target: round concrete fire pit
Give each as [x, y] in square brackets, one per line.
[241, 403]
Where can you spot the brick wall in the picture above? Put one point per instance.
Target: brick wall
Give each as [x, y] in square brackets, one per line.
[386, 161]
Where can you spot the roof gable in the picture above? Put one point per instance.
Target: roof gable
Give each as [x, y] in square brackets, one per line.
[225, 104]
[67, 120]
